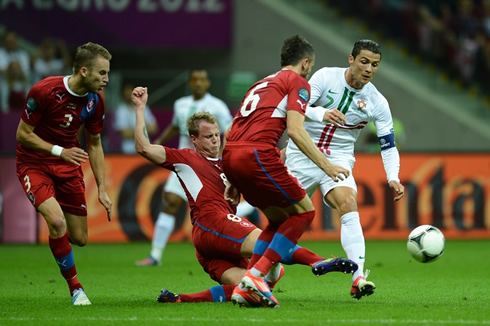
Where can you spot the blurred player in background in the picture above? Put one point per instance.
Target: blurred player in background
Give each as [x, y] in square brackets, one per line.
[49, 156]
[253, 166]
[347, 98]
[173, 194]
[223, 240]
[125, 120]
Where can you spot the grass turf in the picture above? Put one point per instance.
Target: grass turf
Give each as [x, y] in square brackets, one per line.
[451, 291]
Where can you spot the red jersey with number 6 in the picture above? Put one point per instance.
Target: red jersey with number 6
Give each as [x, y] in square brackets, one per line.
[57, 114]
[262, 115]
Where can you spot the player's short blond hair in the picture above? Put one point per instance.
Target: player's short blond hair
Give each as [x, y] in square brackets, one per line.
[195, 120]
[87, 55]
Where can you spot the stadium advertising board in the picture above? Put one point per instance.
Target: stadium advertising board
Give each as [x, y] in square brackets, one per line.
[158, 24]
[449, 191]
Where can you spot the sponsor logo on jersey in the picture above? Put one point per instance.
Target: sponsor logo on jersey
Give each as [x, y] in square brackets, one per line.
[331, 92]
[71, 106]
[304, 94]
[90, 104]
[31, 104]
[302, 104]
[60, 96]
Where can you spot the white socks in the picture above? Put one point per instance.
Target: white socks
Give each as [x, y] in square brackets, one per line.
[352, 240]
[163, 229]
[274, 273]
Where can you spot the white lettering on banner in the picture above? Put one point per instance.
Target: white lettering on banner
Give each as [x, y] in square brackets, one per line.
[18, 3]
[170, 6]
[42, 4]
[146, 6]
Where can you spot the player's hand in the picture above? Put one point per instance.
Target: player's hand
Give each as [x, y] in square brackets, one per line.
[106, 202]
[337, 172]
[283, 154]
[140, 96]
[335, 116]
[74, 155]
[232, 194]
[398, 188]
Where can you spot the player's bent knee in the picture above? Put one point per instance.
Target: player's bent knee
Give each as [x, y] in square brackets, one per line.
[79, 241]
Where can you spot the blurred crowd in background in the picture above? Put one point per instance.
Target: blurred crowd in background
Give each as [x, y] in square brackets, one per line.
[453, 35]
[20, 68]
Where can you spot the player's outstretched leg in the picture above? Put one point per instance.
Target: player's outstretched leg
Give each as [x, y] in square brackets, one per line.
[246, 298]
[168, 296]
[272, 284]
[260, 287]
[362, 287]
[343, 265]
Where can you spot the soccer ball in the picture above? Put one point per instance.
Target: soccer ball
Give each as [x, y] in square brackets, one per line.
[426, 243]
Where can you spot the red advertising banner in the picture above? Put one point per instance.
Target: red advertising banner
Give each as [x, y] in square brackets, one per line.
[450, 191]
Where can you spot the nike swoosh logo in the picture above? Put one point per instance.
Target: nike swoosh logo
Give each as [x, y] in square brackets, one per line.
[330, 92]
[360, 257]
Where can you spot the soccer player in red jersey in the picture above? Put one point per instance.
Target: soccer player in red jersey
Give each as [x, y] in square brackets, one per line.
[223, 241]
[253, 166]
[49, 156]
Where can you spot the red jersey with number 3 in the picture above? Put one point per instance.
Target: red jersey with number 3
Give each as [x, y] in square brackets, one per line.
[57, 114]
[262, 115]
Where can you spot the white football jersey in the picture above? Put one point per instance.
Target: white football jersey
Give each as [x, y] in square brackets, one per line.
[330, 90]
[187, 106]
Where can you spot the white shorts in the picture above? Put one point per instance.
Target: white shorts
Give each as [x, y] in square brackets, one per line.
[173, 185]
[312, 177]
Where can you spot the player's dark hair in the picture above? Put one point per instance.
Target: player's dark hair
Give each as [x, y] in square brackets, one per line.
[87, 54]
[295, 49]
[366, 45]
[194, 69]
[195, 120]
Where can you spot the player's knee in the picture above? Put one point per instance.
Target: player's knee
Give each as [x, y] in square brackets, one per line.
[56, 224]
[171, 203]
[308, 216]
[79, 240]
[348, 205]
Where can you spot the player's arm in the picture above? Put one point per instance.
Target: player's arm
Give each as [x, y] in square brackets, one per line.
[391, 163]
[27, 137]
[389, 152]
[154, 153]
[298, 134]
[96, 154]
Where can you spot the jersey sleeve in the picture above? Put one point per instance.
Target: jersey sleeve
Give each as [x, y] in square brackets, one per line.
[316, 82]
[95, 123]
[298, 94]
[383, 120]
[37, 101]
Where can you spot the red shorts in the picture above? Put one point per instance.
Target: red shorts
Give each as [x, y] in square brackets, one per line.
[64, 182]
[218, 246]
[260, 175]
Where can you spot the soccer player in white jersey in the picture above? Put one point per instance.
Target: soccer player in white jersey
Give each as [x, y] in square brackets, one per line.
[173, 194]
[347, 98]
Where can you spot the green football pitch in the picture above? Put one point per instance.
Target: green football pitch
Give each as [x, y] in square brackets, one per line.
[453, 290]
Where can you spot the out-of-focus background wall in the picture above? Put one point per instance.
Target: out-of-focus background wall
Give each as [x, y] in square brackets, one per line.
[434, 71]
